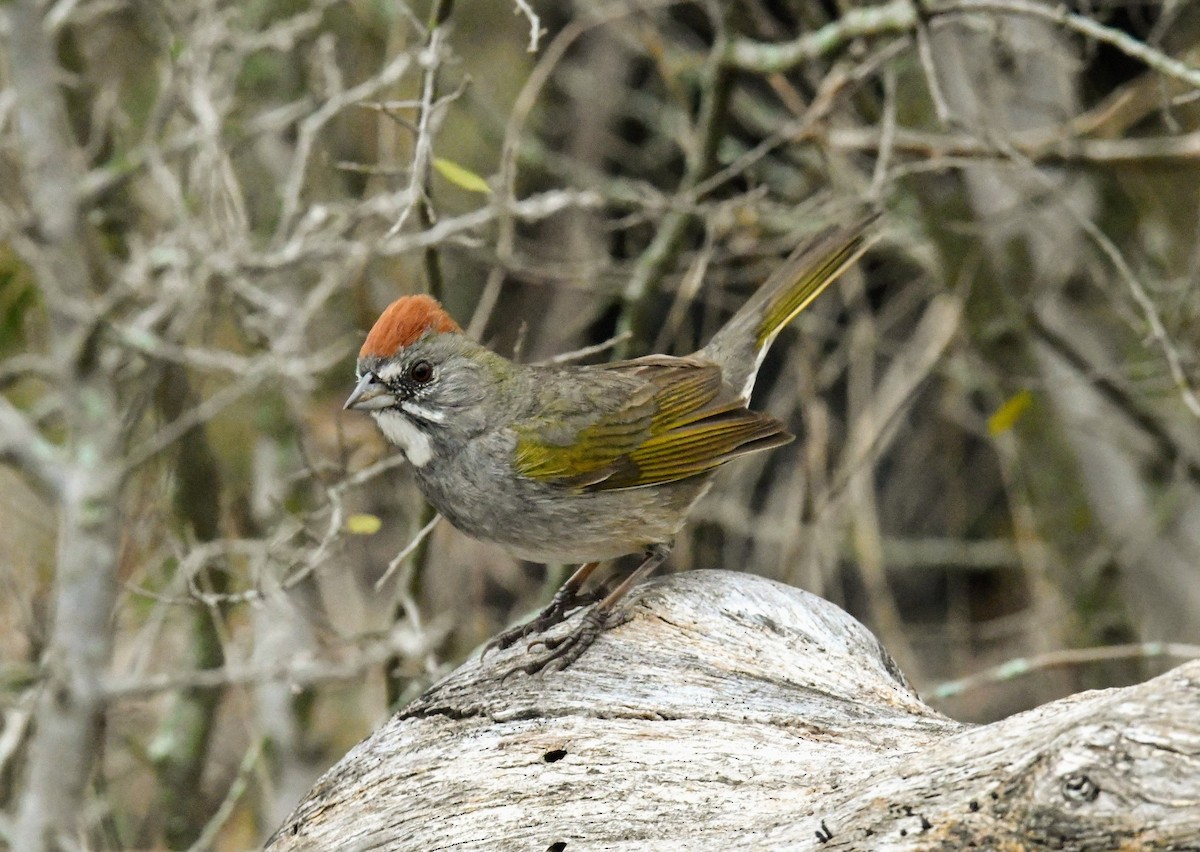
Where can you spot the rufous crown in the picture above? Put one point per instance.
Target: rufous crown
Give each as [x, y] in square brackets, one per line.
[403, 322]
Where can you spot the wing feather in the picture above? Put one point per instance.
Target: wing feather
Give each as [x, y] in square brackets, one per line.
[681, 420]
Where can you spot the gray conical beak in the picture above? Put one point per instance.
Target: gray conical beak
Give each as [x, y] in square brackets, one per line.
[369, 396]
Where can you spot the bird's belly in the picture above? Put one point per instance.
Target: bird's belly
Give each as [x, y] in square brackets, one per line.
[543, 523]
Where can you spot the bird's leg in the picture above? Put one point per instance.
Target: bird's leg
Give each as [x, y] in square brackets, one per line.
[567, 649]
[565, 599]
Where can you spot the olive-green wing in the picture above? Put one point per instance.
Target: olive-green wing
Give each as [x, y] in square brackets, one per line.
[677, 420]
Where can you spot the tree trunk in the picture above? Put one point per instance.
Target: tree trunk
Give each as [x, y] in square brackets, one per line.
[731, 712]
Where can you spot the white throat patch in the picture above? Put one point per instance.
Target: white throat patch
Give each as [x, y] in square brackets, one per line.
[400, 431]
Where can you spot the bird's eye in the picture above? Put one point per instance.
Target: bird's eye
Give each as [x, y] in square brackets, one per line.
[421, 372]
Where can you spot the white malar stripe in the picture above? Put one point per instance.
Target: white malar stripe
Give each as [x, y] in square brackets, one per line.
[400, 431]
[429, 414]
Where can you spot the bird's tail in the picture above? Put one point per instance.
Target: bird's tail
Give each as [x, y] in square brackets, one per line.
[742, 343]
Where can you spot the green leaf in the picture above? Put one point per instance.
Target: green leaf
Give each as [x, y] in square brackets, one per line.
[460, 177]
[363, 524]
[1007, 415]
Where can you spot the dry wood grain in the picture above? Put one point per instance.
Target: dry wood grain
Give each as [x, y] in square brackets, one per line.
[730, 712]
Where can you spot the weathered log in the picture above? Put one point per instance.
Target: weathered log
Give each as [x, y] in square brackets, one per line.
[730, 712]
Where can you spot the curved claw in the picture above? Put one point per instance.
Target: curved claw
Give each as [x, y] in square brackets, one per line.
[564, 650]
[510, 637]
[554, 613]
[568, 648]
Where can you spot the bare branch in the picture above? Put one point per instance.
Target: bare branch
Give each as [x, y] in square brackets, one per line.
[415, 194]
[303, 671]
[1149, 311]
[71, 707]
[311, 248]
[1058, 145]
[893, 18]
[1081, 24]
[315, 121]
[407, 551]
[23, 446]
[1067, 657]
[535, 24]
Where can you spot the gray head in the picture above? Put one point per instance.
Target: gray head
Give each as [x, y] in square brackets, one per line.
[422, 380]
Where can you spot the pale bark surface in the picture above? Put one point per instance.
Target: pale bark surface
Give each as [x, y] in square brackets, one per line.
[732, 712]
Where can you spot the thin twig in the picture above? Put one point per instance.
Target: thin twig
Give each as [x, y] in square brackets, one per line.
[585, 352]
[887, 136]
[1109, 387]
[1059, 14]
[241, 782]
[22, 446]
[312, 125]
[658, 257]
[1148, 308]
[900, 16]
[505, 197]
[1040, 146]
[407, 551]
[535, 24]
[202, 412]
[908, 371]
[417, 189]
[894, 18]
[314, 247]
[301, 672]
[685, 294]
[1022, 666]
[933, 83]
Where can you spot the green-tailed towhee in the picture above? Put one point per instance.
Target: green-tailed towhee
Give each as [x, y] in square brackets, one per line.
[581, 463]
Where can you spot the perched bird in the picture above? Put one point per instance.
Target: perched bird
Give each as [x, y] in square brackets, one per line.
[570, 464]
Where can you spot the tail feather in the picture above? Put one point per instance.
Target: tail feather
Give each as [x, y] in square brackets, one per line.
[742, 343]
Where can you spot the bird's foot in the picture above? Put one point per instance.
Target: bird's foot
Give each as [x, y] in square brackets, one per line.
[561, 651]
[564, 601]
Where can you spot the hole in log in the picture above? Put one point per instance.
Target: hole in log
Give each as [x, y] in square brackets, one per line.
[554, 755]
